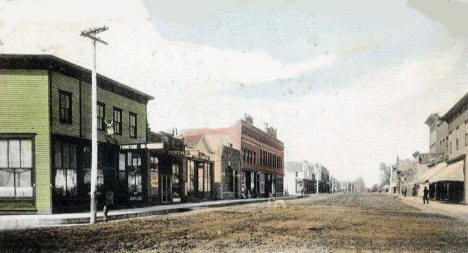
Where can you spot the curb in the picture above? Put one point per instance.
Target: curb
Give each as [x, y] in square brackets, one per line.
[34, 222]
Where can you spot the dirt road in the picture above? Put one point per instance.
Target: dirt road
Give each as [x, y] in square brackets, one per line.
[352, 222]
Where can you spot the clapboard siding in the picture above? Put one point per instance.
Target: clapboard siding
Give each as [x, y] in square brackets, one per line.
[69, 84]
[24, 109]
[110, 100]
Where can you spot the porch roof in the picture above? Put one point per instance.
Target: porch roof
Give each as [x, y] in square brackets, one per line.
[429, 174]
[454, 172]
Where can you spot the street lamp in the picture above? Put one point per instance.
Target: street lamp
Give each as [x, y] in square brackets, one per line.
[91, 34]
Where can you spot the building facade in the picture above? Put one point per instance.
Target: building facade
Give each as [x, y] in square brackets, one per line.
[45, 137]
[438, 134]
[261, 153]
[226, 159]
[457, 140]
[446, 176]
[299, 178]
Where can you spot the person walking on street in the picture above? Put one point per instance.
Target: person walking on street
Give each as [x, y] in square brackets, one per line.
[426, 196]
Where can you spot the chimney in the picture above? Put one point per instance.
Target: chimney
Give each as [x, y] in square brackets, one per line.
[248, 118]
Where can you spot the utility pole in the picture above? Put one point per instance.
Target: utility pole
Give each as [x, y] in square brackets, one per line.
[319, 170]
[91, 34]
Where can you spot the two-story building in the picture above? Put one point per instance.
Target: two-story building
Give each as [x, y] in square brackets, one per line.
[261, 156]
[45, 135]
[299, 178]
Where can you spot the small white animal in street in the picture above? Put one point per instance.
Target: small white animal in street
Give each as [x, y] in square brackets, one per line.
[275, 202]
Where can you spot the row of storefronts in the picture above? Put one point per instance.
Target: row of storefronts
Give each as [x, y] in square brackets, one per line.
[303, 177]
[45, 147]
[442, 171]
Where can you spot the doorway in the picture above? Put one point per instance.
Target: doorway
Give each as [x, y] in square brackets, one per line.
[166, 189]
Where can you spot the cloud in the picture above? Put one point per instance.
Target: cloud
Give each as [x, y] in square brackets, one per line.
[376, 112]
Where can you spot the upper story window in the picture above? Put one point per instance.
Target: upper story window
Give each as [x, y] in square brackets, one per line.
[101, 116]
[261, 157]
[65, 106]
[132, 124]
[117, 121]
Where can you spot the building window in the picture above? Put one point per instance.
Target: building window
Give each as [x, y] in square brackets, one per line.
[132, 124]
[466, 133]
[65, 169]
[65, 106]
[101, 116]
[261, 157]
[255, 157]
[229, 178]
[16, 168]
[456, 141]
[446, 144]
[134, 172]
[117, 121]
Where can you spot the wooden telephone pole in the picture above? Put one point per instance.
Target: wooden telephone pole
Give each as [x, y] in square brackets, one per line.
[91, 34]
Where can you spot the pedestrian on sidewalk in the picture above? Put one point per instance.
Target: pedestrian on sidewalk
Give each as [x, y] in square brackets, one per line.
[426, 196]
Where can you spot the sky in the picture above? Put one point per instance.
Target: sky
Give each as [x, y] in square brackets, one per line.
[347, 84]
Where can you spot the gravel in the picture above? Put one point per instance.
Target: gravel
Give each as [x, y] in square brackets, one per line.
[342, 222]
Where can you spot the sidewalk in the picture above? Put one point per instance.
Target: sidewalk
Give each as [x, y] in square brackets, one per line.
[454, 210]
[47, 220]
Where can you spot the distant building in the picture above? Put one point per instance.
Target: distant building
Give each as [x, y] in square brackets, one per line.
[299, 178]
[322, 175]
[384, 173]
[438, 134]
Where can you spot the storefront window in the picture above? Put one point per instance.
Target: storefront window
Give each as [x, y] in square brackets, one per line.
[200, 177]
[65, 169]
[154, 175]
[190, 175]
[16, 168]
[134, 171]
[122, 166]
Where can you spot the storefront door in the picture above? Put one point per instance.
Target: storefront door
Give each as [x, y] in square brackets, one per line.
[166, 189]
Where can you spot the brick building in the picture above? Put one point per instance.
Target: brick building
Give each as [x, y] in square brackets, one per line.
[261, 156]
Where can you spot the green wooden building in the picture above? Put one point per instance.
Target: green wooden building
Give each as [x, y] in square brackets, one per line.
[45, 136]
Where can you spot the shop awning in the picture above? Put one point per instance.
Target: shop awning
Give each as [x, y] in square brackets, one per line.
[454, 172]
[430, 173]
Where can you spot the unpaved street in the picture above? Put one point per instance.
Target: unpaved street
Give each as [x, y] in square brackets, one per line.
[319, 223]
